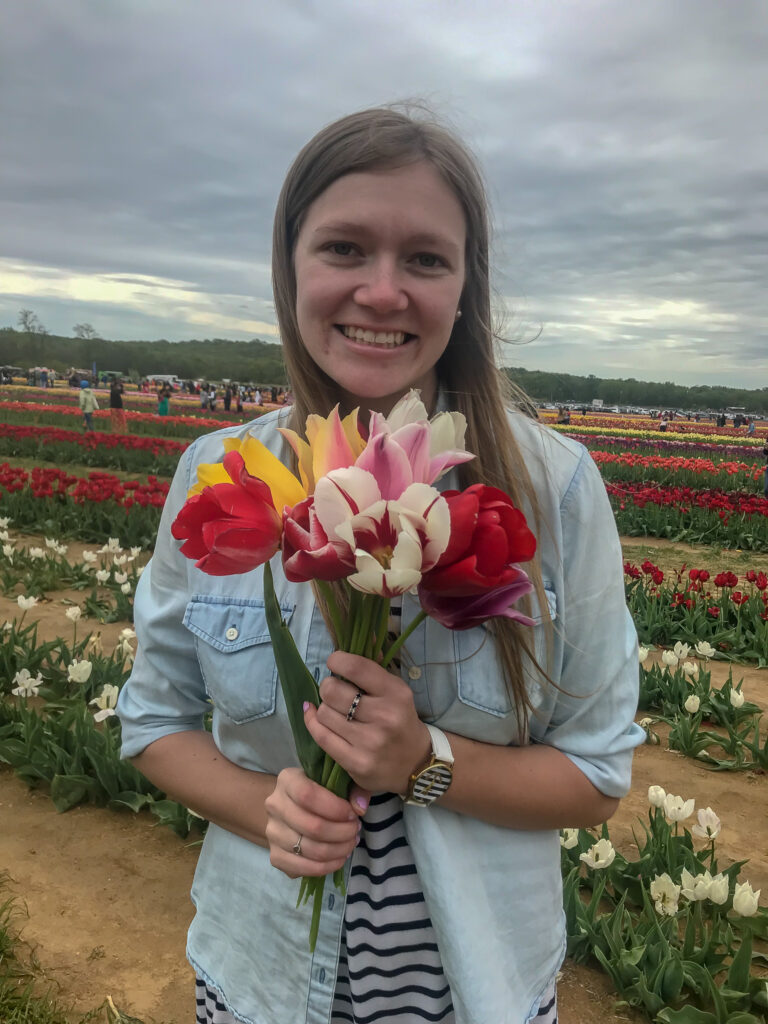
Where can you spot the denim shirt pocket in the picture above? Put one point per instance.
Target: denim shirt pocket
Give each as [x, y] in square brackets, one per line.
[235, 654]
[472, 681]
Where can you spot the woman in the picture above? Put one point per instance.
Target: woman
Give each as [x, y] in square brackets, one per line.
[381, 282]
[116, 410]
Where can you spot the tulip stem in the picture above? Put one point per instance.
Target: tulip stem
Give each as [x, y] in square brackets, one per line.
[395, 648]
[333, 609]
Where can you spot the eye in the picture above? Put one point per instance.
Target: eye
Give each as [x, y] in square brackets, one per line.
[340, 248]
[429, 261]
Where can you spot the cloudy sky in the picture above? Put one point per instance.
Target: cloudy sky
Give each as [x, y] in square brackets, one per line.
[625, 147]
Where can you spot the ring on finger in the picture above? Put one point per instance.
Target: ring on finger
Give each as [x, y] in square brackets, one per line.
[354, 706]
[297, 845]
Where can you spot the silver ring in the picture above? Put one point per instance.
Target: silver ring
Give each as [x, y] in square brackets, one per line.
[297, 845]
[354, 706]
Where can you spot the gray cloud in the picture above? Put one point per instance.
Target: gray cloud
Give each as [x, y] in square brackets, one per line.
[624, 148]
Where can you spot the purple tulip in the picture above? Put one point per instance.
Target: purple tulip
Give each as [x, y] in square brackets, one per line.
[466, 612]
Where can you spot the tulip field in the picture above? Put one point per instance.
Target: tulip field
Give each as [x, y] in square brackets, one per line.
[666, 905]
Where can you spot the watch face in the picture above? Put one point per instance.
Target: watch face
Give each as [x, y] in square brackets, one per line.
[431, 783]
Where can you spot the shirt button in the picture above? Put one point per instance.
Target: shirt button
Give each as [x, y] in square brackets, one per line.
[414, 673]
[232, 633]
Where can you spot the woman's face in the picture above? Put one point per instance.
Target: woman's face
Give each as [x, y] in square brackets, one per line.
[379, 265]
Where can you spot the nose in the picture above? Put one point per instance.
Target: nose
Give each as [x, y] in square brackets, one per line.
[381, 288]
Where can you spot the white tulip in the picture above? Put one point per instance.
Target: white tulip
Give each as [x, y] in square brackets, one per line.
[692, 704]
[745, 899]
[600, 855]
[4, 522]
[656, 796]
[709, 824]
[26, 686]
[50, 542]
[4, 535]
[642, 654]
[79, 671]
[61, 549]
[119, 560]
[140, 570]
[135, 552]
[669, 658]
[736, 698]
[94, 645]
[125, 588]
[665, 895]
[704, 649]
[106, 702]
[112, 547]
[691, 669]
[681, 650]
[7, 627]
[569, 837]
[677, 809]
[121, 577]
[73, 614]
[695, 887]
[102, 575]
[90, 556]
[127, 633]
[645, 723]
[25, 603]
[718, 890]
[36, 553]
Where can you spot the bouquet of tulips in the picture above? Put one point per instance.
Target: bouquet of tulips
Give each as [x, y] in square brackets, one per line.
[364, 512]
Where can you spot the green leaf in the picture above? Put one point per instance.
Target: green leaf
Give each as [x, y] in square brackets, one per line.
[296, 680]
[133, 801]
[687, 1015]
[69, 790]
[738, 973]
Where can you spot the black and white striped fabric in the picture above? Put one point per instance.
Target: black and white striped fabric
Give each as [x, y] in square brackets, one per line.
[390, 967]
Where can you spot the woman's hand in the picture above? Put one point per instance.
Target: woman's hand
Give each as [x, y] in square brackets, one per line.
[385, 741]
[326, 825]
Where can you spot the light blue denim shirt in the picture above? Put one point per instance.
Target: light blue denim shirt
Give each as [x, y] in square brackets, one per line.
[494, 894]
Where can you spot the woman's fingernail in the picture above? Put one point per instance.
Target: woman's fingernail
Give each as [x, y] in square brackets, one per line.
[305, 705]
[361, 802]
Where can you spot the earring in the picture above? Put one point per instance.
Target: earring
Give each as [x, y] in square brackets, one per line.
[458, 315]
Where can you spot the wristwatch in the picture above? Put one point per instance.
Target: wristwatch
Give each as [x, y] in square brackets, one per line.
[434, 777]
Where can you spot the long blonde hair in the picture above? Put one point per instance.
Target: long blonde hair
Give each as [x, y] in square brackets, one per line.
[379, 139]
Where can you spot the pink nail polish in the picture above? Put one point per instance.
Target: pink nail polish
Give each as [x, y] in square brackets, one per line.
[305, 706]
[361, 802]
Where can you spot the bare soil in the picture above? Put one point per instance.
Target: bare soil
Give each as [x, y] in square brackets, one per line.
[107, 893]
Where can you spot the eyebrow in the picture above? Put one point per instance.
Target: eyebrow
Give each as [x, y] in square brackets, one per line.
[428, 239]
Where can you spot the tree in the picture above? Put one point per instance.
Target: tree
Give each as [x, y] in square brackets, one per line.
[29, 322]
[85, 331]
[34, 330]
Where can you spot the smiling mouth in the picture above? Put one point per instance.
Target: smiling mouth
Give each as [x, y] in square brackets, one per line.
[377, 339]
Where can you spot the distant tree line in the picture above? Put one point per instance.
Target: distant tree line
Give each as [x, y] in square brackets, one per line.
[566, 387]
[261, 362]
[211, 359]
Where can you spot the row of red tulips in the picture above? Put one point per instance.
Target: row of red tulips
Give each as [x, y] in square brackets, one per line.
[680, 471]
[690, 605]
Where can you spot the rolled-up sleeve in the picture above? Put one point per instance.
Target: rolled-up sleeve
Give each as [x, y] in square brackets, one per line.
[593, 718]
[165, 692]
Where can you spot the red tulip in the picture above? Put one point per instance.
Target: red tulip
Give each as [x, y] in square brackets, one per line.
[488, 536]
[307, 552]
[229, 528]
[466, 612]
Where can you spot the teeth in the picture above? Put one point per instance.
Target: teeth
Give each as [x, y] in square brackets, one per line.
[389, 339]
